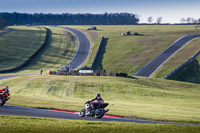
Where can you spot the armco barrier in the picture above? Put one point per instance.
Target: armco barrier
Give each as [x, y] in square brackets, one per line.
[95, 58]
[93, 73]
[181, 66]
[48, 36]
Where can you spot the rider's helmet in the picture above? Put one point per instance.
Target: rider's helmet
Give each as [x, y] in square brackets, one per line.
[98, 96]
[6, 88]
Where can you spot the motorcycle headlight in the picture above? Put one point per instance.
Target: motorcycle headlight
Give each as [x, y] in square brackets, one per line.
[87, 106]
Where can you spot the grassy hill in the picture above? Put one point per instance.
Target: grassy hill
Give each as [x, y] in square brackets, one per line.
[130, 53]
[154, 99]
[189, 73]
[20, 44]
[59, 51]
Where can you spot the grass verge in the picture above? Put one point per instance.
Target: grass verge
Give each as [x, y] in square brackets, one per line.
[19, 45]
[20, 124]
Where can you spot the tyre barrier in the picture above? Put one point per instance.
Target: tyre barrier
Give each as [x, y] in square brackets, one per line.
[87, 73]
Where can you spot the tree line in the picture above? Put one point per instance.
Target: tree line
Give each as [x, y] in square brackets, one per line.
[67, 19]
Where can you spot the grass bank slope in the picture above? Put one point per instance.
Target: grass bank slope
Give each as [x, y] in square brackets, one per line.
[189, 73]
[154, 99]
[130, 53]
[60, 50]
[44, 125]
[178, 59]
[19, 45]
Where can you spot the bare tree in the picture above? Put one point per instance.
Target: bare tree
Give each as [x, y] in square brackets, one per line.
[159, 20]
[150, 19]
[189, 20]
[183, 20]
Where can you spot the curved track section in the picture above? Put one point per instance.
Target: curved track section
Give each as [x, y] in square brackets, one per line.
[158, 61]
[24, 111]
[83, 51]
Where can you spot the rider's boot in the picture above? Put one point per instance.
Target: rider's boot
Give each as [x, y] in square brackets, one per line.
[107, 110]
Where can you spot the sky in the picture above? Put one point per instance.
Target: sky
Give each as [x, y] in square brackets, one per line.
[171, 11]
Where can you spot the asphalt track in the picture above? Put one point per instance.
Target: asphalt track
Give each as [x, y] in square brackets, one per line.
[24, 111]
[83, 51]
[158, 61]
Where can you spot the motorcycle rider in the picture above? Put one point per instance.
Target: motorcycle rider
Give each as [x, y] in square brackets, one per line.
[5, 90]
[93, 104]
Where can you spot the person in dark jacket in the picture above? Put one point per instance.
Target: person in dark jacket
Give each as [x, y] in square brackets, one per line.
[99, 100]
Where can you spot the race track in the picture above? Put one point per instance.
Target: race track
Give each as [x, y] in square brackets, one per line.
[153, 65]
[24, 111]
[77, 61]
[83, 51]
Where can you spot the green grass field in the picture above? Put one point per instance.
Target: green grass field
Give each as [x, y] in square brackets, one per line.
[189, 73]
[60, 50]
[135, 97]
[20, 44]
[148, 98]
[18, 124]
[129, 54]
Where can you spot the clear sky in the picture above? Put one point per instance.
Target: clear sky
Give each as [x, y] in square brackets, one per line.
[170, 10]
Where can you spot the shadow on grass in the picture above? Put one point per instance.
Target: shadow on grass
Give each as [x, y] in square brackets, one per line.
[137, 35]
[99, 58]
[131, 77]
[34, 58]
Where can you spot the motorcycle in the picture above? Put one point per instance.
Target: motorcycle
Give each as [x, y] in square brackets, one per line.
[98, 111]
[4, 98]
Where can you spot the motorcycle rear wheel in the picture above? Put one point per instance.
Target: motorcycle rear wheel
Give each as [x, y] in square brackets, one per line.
[101, 114]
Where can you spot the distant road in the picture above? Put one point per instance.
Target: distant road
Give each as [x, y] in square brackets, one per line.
[11, 76]
[83, 51]
[158, 61]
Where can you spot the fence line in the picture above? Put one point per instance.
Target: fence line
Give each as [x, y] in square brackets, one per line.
[181, 66]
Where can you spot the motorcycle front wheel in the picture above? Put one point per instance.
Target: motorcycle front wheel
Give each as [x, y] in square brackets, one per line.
[82, 113]
[101, 113]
